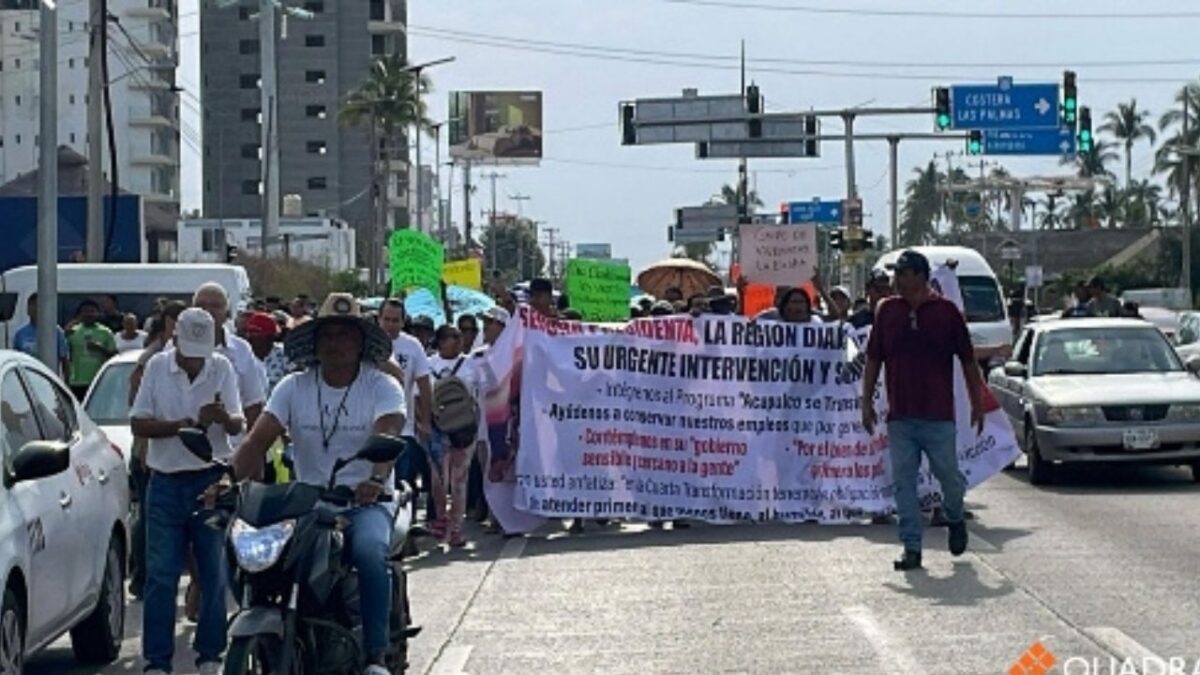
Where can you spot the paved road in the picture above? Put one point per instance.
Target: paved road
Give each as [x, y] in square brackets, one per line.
[1103, 566]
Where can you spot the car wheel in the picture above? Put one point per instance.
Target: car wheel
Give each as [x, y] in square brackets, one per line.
[1041, 472]
[97, 639]
[12, 635]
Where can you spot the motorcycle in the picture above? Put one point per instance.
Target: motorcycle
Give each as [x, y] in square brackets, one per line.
[297, 594]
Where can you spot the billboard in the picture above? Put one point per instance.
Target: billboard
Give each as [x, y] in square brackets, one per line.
[496, 127]
[593, 251]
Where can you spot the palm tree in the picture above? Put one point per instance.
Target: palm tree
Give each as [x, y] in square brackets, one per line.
[1094, 163]
[1141, 203]
[1111, 206]
[1051, 218]
[1082, 210]
[729, 195]
[1166, 159]
[923, 205]
[1127, 124]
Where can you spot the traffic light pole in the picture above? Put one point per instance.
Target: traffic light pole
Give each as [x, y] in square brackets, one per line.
[894, 190]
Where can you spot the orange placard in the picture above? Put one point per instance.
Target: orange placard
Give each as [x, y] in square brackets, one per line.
[757, 298]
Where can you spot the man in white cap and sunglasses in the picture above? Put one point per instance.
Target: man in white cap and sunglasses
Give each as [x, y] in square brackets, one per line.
[188, 387]
[329, 410]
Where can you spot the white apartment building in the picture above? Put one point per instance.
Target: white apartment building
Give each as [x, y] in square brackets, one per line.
[142, 57]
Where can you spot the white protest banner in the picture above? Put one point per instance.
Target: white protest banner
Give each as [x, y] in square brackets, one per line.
[715, 418]
[779, 255]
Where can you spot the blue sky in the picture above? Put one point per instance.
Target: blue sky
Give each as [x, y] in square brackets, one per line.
[836, 54]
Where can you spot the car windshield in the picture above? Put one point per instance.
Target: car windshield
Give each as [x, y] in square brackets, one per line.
[108, 404]
[1108, 350]
[981, 299]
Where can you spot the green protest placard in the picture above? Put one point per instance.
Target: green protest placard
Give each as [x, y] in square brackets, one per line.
[415, 261]
[599, 290]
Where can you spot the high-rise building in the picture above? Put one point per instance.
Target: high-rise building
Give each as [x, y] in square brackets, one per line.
[320, 61]
[142, 57]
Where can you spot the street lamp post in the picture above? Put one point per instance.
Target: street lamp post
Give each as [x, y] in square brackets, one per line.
[416, 70]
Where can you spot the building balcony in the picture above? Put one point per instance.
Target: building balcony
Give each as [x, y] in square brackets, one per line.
[149, 84]
[154, 159]
[150, 10]
[141, 119]
[376, 27]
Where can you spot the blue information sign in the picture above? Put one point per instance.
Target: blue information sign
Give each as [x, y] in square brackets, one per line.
[815, 211]
[1004, 105]
[1029, 142]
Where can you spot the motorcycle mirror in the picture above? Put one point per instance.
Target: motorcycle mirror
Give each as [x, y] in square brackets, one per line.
[381, 448]
[196, 442]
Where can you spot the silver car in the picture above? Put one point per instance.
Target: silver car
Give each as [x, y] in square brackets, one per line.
[1100, 390]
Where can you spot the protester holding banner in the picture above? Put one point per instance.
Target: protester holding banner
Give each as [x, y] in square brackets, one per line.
[917, 336]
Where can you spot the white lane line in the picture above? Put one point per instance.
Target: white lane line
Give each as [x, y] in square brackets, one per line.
[1123, 646]
[890, 651]
[451, 661]
[513, 549]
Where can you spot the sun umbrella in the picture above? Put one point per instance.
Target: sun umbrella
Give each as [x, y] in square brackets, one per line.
[420, 302]
[688, 276]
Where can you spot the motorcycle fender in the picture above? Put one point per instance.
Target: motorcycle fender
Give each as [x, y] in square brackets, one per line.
[257, 621]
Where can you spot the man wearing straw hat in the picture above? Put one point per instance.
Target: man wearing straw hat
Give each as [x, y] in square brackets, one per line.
[329, 410]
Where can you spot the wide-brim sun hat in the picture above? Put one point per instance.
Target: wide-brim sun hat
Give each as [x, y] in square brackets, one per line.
[301, 344]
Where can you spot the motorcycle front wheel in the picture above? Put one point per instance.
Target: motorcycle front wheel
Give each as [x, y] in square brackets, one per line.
[261, 655]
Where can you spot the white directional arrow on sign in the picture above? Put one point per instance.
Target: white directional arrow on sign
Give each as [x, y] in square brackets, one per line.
[1065, 146]
[1042, 106]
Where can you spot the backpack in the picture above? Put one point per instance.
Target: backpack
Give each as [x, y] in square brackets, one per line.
[455, 412]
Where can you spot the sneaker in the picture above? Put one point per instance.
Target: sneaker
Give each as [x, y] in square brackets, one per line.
[911, 560]
[375, 669]
[210, 668]
[958, 538]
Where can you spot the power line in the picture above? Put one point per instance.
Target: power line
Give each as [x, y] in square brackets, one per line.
[938, 14]
[676, 169]
[580, 52]
[733, 58]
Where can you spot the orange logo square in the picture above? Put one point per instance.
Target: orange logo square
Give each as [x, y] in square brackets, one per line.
[1037, 660]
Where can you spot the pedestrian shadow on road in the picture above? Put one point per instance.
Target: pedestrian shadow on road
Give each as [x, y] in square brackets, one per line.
[963, 588]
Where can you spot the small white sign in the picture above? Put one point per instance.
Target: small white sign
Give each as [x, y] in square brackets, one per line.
[1033, 276]
[780, 255]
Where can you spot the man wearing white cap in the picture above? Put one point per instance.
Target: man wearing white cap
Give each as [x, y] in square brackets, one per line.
[190, 386]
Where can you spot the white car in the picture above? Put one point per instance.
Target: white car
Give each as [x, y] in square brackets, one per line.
[107, 402]
[63, 538]
[1187, 341]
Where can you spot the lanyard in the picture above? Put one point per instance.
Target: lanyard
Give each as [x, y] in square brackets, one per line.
[337, 413]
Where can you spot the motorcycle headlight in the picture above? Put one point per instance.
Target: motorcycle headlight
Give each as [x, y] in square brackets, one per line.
[1074, 415]
[1184, 412]
[257, 549]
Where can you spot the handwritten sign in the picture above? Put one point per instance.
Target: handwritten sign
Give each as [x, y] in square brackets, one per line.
[779, 255]
[599, 290]
[466, 273]
[415, 261]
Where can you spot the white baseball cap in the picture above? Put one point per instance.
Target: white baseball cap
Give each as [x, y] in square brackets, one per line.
[195, 333]
[497, 314]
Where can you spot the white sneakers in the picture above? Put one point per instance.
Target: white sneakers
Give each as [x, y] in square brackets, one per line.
[374, 669]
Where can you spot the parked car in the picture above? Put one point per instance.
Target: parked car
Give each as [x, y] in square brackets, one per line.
[1165, 320]
[1187, 340]
[63, 537]
[107, 402]
[1100, 390]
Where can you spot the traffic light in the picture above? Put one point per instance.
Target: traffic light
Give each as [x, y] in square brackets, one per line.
[1070, 105]
[941, 104]
[628, 131]
[975, 142]
[837, 240]
[754, 107]
[811, 132]
[1085, 130]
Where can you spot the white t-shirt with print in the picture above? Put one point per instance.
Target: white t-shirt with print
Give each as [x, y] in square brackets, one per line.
[311, 410]
[410, 356]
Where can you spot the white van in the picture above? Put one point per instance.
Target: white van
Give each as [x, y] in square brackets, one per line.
[983, 301]
[136, 286]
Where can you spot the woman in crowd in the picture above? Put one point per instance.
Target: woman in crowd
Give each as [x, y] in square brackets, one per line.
[451, 451]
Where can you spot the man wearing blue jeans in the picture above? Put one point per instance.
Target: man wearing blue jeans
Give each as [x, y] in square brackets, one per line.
[917, 335]
[190, 386]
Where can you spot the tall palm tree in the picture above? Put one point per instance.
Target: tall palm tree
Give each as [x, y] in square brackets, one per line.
[1110, 206]
[1141, 203]
[729, 195]
[923, 205]
[1128, 125]
[1050, 216]
[1167, 160]
[1094, 163]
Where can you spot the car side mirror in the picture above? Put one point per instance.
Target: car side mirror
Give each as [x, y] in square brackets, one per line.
[382, 448]
[39, 459]
[1015, 369]
[1193, 365]
[196, 441]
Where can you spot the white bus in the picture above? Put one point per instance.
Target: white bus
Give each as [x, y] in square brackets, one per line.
[136, 286]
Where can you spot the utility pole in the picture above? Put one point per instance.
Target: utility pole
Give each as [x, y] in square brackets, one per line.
[97, 39]
[550, 250]
[520, 234]
[1186, 210]
[47, 237]
[467, 241]
[416, 71]
[268, 98]
[894, 190]
[492, 176]
[445, 221]
[437, 174]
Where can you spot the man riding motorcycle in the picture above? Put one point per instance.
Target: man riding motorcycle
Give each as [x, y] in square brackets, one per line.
[329, 410]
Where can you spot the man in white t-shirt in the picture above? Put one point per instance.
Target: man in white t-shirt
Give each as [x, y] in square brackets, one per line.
[212, 298]
[189, 386]
[329, 410]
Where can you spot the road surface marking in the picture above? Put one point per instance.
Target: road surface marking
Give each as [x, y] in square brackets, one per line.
[891, 653]
[451, 661]
[513, 549]
[1122, 646]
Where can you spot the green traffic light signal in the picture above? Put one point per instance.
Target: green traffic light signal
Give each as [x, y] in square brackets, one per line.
[943, 121]
[975, 143]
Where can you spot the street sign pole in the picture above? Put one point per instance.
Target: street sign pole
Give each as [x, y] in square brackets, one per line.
[47, 236]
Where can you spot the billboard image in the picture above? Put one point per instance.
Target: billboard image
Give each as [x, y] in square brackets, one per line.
[496, 126]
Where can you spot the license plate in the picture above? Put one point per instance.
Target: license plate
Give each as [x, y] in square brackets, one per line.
[1141, 439]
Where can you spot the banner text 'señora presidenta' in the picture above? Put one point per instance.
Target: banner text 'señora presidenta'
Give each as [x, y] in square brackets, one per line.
[714, 418]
